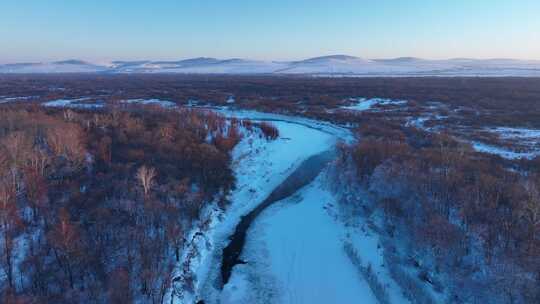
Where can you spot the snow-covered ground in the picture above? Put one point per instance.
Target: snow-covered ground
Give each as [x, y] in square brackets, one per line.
[260, 166]
[526, 140]
[419, 122]
[503, 152]
[80, 103]
[230, 100]
[338, 132]
[524, 143]
[4, 99]
[159, 102]
[521, 133]
[295, 254]
[87, 103]
[295, 250]
[364, 104]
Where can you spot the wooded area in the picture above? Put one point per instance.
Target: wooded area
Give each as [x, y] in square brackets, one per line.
[463, 214]
[93, 205]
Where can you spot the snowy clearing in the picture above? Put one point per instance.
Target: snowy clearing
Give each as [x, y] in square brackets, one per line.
[364, 104]
[526, 139]
[162, 103]
[529, 138]
[420, 122]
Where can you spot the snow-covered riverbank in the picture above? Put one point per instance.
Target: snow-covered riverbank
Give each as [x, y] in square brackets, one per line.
[260, 166]
[295, 254]
[295, 249]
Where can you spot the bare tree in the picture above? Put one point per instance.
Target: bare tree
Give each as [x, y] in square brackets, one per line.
[69, 115]
[531, 210]
[68, 142]
[9, 222]
[146, 176]
[38, 160]
[66, 241]
[16, 144]
[4, 161]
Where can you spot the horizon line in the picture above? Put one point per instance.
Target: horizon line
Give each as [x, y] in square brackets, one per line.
[109, 61]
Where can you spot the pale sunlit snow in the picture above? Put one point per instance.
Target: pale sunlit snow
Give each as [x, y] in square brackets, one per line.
[162, 103]
[72, 103]
[502, 152]
[363, 104]
[296, 248]
[259, 166]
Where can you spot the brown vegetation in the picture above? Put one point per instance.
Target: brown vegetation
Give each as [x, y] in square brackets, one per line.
[93, 205]
[448, 201]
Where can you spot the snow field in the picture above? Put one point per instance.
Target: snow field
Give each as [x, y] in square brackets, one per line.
[363, 104]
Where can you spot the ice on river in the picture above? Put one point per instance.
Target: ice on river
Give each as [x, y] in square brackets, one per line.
[295, 254]
[259, 166]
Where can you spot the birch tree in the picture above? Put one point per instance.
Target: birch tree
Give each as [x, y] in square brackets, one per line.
[146, 176]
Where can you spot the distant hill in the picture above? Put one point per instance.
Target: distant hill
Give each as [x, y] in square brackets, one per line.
[343, 65]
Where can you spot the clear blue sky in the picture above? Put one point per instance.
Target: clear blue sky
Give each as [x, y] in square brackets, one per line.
[100, 30]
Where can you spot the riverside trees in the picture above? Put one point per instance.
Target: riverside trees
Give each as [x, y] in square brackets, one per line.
[74, 223]
[468, 212]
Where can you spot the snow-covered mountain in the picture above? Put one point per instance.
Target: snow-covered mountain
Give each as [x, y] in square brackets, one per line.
[327, 65]
[337, 64]
[67, 66]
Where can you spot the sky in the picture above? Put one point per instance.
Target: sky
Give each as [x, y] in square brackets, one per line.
[105, 30]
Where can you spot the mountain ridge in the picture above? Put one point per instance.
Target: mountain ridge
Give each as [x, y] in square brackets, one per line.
[323, 65]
